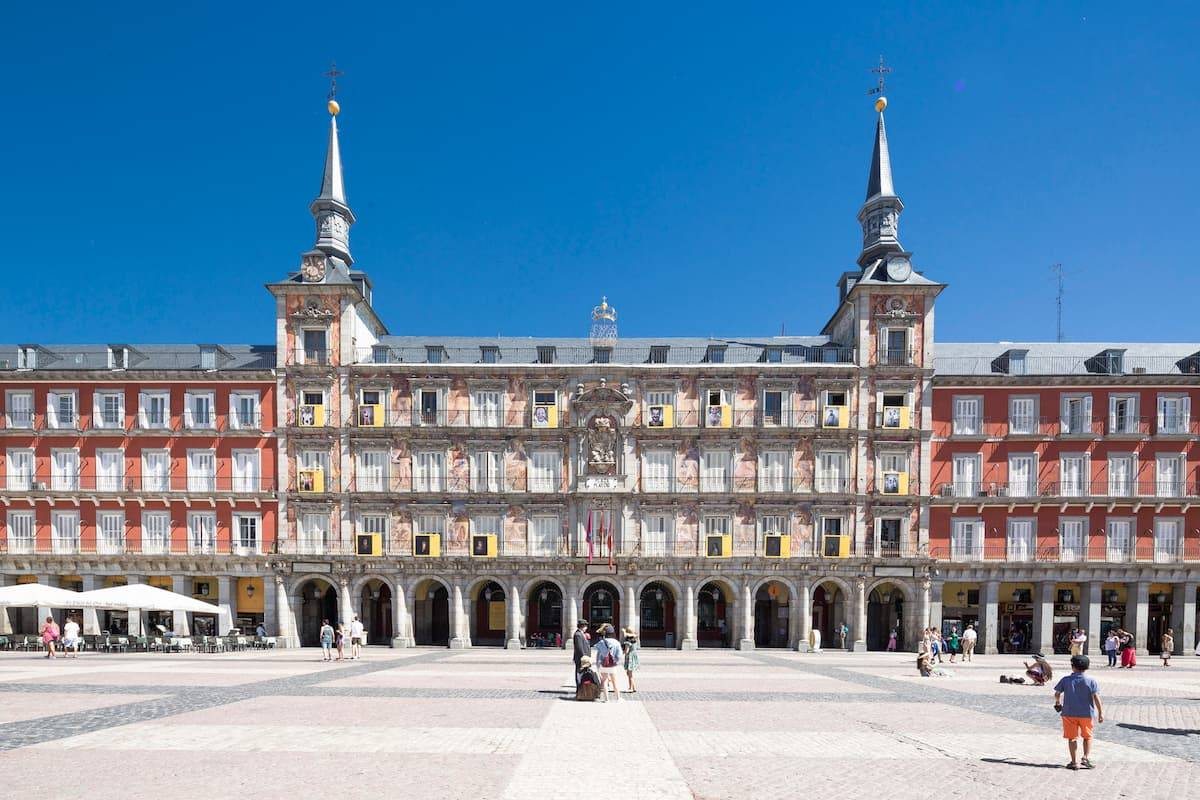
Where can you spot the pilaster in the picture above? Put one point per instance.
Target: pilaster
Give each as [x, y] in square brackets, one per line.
[1090, 614]
[180, 623]
[747, 621]
[1043, 618]
[990, 608]
[1183, 617]
[805, 612]
[514, 617]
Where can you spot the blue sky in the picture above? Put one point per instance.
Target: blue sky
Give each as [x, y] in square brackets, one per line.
[510, 164]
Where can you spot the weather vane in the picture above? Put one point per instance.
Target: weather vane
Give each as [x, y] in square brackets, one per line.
[333, 74]
[881, 71]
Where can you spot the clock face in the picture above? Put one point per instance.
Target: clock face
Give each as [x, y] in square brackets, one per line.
[898, 269]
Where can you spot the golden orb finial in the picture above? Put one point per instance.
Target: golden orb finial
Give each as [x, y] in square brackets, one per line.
[881, 104]
[334, 108]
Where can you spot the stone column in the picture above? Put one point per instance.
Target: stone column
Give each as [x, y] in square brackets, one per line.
[747, 618]
[923, 620]
[804, 605]
[43, 611]
[457, 623]
[135, 614]
[990, 603]
[90, 624]
[1090, 613]
[633, 612]
[935, 614]
[345, 602]
[225, 600]
[514, 617]
[179, 619]
[400, 619]
[6, 627]
[269, 612]
[571, 609]
[1141, 613]
[687, 605]
[1043, 618]
[1183, 617]
[283, 616]
[859, 631]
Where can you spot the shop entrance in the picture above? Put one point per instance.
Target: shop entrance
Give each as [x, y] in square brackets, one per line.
[713, 612]
[658, 616]
[431, 614]
[601, 604]
[490, 607]
[772, 615]
[543, 619]
[318, 603]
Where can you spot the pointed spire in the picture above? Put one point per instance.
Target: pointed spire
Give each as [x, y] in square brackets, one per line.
[880, 214]
[329, 209]
[879, 182]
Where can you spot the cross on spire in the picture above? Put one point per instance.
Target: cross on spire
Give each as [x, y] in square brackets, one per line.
[881, 71]
[333, 74]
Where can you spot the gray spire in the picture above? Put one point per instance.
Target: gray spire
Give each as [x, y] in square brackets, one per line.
[880, 214]
[333, 216]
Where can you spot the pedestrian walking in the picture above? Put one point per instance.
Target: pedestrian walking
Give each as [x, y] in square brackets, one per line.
[1112, 643]
[581, 647]
[1078, 641]
[71, 638]
[632, 657]
[843, 632]
[1077, 699]
[50, 635]
[891, 645]
[969, 638]
[954, 642]
[326, 637]
[935, 646]
[1168, 647]
[339, 641]
[1128, 651]
[608, 656]
[358, 637]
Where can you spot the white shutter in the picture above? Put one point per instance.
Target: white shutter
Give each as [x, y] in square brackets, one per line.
[52, 409]
[1186, 413]
[658, 471]
[189, 420]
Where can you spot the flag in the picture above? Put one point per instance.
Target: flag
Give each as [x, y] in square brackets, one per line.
[589, 536]
[600, 534]
[610, 543]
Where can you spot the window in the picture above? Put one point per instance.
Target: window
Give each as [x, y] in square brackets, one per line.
[715, 354]
[835, 414]
[660, 408]
[1169, 470]
[832, 473]
[198, 410]
[1075, 474]
[243, 411]
[1122, 414]
[118, 357]
[1120, 539]
[544, 471]
[429, 471]
[896, 349]
[716, 471]
[486, 471]
[61, 409]
[109, 411]
[773, 471]
[770, 525]
[315, 351]
[1174, 414]
[314, 460]
[601, 355]
[434, 354]
[658, 535]
[968, 416]
[1016, 362]
[110, 532]
[1023, 416]
[489, 355]
[374, 523]
[1122, 469]
[431, 523]
[895, 411]
[380, 354]
[1021, 540]
[372, 471]
[889, 537]
[155, 470]
[545, 355]
[657, 470]
[20, 533]
[27, 358]
[154, 410]
[314, 533]
[208, 357]
[1076, 415]
[246, 534]
[488, 525]
[156, 532]
[64, 470]
[835, 541]
[717, 409]
[774, 413]
[485, 408]
[202, 532]
[428, 404]
[246, 471]
[658, 353]
[19, 410]
[64, 531]
[966, 540]
[716, 526]
[544, 535]
[1022, 475]
[19, 470]
[110, 470]
[1168, 535]
[1072, 539]
[201, 470]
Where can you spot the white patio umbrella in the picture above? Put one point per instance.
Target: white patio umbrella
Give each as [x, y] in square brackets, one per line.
[39, 594]
[145, 597]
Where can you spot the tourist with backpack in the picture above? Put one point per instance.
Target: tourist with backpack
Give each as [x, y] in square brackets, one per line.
[608, 656]
[587, 682]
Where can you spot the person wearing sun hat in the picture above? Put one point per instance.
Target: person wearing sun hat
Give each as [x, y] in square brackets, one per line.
[608, 655]
[587, 681]
[630, 650]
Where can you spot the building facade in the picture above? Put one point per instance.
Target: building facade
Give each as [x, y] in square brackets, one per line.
[736, 492]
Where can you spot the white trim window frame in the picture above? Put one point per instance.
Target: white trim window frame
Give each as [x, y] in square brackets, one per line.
[966, 539]
[247, 534]
[832, 472]
[544, 473]
[1122, 474]
[966, 478]
[64, 469]
[1023, 416]
[487, 471]
[156, 470]
[776, 415]
[1075, 473]
[488, 525]
[429, 471]
[891, 461]
[202, 532]
[202, 470]
[1123, 414]
[110, 532]
[374, 522]
[487, 407]
[1119, 534]
[18, 409]
[1169, 470]
[658, 466]
[21, 533]
[314, 533]
[62, 409]
[1022, 474]
[19, 469]
[1168, 539]
[1021, 539]
[199, 410]
[1072, 539]
[245, 411]
[968, 415]
[716, 469]
[246, 470]
[1174, 414]
[659, 396]
[658, 534]
[64, 532]
[108, 409]
[889, 549]
[545, 534]
[774, 467]
[770, 525]
[154, 409]
[110, 470]
[1075, 413]
[156, 532]
[371, 471]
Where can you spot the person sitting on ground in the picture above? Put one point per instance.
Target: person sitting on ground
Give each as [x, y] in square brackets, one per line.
[923, 665]
[1039, 671]
[587, 682]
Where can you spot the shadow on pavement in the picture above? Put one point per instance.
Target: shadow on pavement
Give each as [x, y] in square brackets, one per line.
[1167, 731]
[1010, 762]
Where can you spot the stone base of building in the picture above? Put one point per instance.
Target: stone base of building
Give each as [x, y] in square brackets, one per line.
[688, 644]
[513, 644]
[458, 644]
[803, 648]
[745, 644]
[858, 647]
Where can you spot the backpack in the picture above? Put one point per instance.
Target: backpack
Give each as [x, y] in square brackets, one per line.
[610, 658]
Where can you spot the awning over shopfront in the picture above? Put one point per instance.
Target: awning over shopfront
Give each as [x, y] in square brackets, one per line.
[40, 595]
[146, 598]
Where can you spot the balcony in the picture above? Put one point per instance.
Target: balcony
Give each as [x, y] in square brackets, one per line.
[1100, 490]
[87, 545]
[124, 485]
[303, 357]
[831, 484]
[903, 357]
[19, 420]
[1095, 549]
[530, 352]
[107, 546]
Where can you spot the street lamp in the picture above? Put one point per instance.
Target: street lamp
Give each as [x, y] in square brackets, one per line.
[962, 598]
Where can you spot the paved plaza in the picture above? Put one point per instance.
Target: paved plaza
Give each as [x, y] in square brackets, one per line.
[487, 723]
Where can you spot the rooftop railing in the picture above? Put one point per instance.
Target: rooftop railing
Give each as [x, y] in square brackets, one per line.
[618, 354]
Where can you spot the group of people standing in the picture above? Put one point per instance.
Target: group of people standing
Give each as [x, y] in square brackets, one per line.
[335, 638]
[609, 655]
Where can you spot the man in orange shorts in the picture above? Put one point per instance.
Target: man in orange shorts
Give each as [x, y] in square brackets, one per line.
[1077, 698]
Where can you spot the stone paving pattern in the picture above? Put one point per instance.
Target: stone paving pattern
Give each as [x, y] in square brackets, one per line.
[496, 724]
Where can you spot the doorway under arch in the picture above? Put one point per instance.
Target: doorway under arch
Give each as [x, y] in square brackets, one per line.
[318, 604]
[376, 605]
[602, 603]
[714, 615]
[885, 613]
[490, 615]
[772, 615]
[431, 614]
[828, 613]
[658, 615]
[544, 616]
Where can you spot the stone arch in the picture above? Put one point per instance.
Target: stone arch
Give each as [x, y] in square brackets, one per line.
[374, 598]
[545, 619]
[831, 608]
[894, 615]
[433, 614]
[601, 601]
[774, 615]
[314, 599]
[659, 601]
[716, 616]
[488, 624]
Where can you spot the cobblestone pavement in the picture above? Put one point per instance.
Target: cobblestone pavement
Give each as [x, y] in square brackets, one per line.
[486, 723]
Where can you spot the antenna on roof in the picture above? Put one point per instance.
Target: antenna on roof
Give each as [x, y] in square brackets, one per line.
[1058, 271]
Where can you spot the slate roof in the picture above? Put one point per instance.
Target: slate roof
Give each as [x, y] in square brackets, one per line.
[142, 357]
[1066, 358]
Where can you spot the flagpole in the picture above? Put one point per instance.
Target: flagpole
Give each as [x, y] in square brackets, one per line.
[589, 535]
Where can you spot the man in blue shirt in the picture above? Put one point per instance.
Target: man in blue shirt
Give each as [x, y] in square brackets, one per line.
[1075, 696]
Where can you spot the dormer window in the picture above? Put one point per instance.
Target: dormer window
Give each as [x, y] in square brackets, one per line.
[715, 354]
[489, 354]
[545, 354]
[658, 353]
[1016, 362]
[27, 358]
[1112, 362]
[773, 355]
[601, 355]
[118, 357]
[208, 357]
[435, 354]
